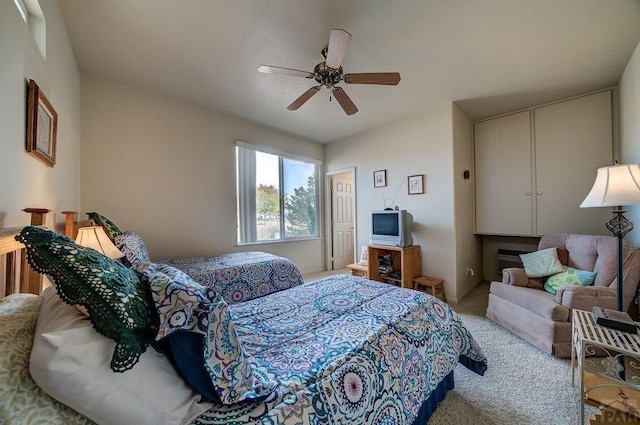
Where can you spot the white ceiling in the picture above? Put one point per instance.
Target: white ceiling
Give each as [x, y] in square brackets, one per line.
[489, 56]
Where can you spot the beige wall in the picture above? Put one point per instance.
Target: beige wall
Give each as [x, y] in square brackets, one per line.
[468, 247]
[421, 144]
[629, 112]
[165, 169]
[24, 180]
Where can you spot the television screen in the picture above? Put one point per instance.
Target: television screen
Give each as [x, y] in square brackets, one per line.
[385, 224]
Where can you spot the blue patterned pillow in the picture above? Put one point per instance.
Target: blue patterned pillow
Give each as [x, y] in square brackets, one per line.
[569, 277]
[117, 303]
[180, 302]
[133, 248]
[184, 305]
[109, 227]
[187, 349]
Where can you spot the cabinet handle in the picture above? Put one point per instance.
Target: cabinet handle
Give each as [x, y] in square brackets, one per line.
[528, 194]
[539, 193]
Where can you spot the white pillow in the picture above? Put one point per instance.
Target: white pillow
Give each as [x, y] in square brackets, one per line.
[70, 361]
[542, 263]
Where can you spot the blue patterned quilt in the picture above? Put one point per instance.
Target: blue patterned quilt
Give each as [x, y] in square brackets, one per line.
[346, 350]
[241, 276]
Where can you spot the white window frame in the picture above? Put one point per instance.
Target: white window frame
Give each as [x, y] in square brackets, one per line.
[31, 12]
[22, 8]
[246, 194]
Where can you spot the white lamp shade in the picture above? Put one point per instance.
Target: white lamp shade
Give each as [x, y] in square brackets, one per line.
[95, 237]
[616, 185]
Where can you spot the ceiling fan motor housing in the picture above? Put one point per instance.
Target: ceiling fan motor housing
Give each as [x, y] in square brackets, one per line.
[327, 76]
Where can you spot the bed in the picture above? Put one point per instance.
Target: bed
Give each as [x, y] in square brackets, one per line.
[339, 350]
[241, 276]
[238, 276]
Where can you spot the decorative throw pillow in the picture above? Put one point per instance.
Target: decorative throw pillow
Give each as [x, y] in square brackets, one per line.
[133, 248]
[118, 304]
[186, 306]
[569, 277]
[180, 302]
[70, 361]
[542, 263]
[109, 227]
[187, 349]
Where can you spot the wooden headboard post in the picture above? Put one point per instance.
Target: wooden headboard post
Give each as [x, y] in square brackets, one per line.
[32, 281]
[38, 215]
[70, 230]
[71, 226]
[15, 273]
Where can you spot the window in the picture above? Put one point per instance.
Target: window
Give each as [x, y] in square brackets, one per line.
[32, 15]
[23, 10]
[277, 195]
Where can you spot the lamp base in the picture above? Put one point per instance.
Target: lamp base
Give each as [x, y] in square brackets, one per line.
[614, 319]
[619, 225]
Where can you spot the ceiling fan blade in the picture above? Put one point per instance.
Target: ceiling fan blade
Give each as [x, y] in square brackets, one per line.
[266, 69]
[382, 78]
[338, 44]
[344, 101]
[302, 99]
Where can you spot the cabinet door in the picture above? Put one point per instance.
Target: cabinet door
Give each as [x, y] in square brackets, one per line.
[503, 175]
[572, 139]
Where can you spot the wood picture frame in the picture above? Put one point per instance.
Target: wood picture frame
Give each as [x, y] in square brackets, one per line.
[380, 178]
[415, 184]
[42, 126]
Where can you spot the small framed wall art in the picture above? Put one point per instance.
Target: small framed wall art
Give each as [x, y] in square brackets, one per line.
[42, 125]
[380, 178]
[364, 255]
[415, 184]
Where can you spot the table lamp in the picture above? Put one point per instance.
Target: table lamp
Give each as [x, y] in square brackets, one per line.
[95, 237]
[616, 186]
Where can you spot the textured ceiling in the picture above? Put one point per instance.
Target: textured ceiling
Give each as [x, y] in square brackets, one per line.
[489, 56]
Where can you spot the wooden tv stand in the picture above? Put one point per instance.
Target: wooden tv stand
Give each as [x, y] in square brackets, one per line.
[407, 261]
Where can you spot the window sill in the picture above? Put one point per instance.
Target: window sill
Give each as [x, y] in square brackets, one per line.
[311, 238]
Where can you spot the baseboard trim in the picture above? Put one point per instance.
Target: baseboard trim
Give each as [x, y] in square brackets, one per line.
[467, 292]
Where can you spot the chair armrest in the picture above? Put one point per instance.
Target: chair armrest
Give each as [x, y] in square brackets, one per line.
[586, 297]
[514, 276]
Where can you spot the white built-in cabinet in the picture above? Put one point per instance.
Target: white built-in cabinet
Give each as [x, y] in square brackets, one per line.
[533, 168]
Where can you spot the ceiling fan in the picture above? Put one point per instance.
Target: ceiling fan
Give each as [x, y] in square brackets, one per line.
[329, 73]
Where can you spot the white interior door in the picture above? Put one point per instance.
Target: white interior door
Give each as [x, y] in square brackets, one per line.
[342, 219]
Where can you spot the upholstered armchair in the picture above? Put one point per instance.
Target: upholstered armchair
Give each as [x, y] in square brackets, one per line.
[522, 305]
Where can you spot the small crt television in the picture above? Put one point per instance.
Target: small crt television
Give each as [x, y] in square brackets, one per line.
[391, 227]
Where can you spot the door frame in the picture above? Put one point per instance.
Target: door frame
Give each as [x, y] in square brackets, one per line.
[329, 214]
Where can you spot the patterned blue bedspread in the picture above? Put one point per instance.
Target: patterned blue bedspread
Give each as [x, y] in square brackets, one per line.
[241, 276]
[347, 350]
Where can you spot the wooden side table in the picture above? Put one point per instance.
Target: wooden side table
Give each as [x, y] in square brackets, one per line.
[358, 269]
[430, 285]
[407, 264]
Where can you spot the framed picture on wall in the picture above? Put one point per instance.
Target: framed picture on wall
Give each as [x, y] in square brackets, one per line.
[415, 184]
[42, 125]
[380, 178]
[364, 255]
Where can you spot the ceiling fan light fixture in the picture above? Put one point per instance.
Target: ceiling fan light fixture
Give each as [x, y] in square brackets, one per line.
[329, 73]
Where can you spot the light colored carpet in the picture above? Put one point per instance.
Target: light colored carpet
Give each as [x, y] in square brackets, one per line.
[522, 385]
